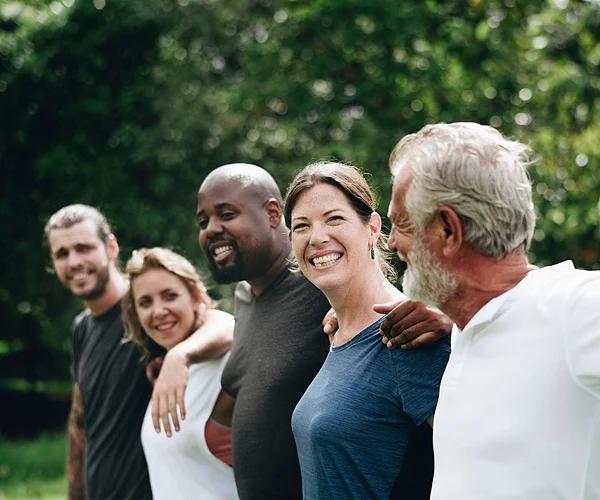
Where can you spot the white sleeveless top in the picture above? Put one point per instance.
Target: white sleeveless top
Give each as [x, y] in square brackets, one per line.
[182, 466]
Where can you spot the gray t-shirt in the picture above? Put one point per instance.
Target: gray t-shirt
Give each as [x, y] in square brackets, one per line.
[278, 348]
[115, 395]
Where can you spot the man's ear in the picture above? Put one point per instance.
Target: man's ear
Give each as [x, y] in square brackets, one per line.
[112, 247]
[274, 212]
[451, 228]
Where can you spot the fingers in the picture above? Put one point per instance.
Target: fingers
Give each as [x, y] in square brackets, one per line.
[420, 341]
[165, 414]
[399, 318]
[168, 398]
[181, 402]
[155, 414]
[385, 308]
[172, 412]
[413, 324]
[164, 418]
[330, 322]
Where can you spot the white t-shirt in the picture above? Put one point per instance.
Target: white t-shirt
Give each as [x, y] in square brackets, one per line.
[519, 410]
[182, 467]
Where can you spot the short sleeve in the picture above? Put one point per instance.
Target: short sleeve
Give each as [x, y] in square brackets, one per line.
[581, 324]
[419, 373]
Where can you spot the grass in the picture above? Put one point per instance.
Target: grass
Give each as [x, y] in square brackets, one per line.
[33, 468]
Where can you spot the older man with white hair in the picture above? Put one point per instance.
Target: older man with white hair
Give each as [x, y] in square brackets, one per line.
[519, 409]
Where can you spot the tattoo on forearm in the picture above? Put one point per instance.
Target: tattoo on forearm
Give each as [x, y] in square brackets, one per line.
[76, 448]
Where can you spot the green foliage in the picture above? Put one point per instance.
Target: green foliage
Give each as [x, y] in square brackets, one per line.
[33, 469]
[128, 104]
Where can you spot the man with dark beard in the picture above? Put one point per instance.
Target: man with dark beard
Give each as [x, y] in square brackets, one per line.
[110, 395]
[279, 343]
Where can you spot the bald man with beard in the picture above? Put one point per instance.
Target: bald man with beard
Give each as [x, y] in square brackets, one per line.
[279, 343]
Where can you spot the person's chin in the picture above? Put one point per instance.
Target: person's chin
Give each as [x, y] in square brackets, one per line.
[92, 294]
[82, 292]
[226, 274]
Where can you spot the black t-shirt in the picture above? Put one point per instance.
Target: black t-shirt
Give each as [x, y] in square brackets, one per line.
[115, 395]
[279, 346]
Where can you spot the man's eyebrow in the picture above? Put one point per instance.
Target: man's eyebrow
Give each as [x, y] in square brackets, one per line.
[225, 204]
[219, 206]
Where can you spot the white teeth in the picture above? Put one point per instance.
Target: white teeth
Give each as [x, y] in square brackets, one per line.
[164, 326]
[79, 276]
[219, 250]
[323, 260]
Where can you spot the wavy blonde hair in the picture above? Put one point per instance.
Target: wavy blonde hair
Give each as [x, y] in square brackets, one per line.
[160, 258]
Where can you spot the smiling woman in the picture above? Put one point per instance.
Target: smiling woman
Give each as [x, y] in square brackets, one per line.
[367, 406]
[167, 302]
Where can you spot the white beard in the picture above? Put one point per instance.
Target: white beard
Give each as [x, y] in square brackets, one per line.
[424, 279]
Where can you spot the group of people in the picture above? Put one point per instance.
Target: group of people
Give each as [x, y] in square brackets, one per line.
[267, 406]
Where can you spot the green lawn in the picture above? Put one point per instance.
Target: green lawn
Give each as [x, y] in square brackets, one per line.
[33, 468]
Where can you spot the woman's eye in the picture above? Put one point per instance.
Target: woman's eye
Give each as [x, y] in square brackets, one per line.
[299, 227]
[335, 218]
[143, 303]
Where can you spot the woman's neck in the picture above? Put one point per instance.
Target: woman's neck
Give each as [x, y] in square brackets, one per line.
[353, 304]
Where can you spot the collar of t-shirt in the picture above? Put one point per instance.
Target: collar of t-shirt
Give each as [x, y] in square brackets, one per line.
[490, 310]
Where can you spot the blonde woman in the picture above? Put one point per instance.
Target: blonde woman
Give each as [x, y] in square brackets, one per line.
[167, 302]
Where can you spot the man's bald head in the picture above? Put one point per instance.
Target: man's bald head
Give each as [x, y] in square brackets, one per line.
[241, 227]
[254, 180]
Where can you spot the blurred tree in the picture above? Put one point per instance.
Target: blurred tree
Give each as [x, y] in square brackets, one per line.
[128, 104]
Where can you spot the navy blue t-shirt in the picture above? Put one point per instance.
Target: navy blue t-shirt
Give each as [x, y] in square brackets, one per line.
[355, 419]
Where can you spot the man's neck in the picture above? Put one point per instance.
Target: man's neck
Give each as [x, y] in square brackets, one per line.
[483, 279]
[276, 267]
[115, 289]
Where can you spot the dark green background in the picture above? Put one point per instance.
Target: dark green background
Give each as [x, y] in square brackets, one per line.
[128, 104]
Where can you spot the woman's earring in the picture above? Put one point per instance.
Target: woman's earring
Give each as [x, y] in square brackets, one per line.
[372, 251]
